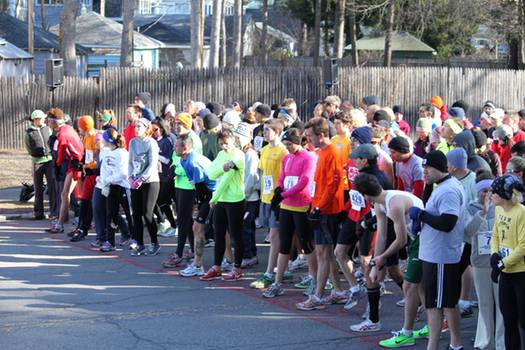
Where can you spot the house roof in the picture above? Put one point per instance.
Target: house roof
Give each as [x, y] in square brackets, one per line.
[15, 31]
[96, 31]
[9, 51]
[401, 41]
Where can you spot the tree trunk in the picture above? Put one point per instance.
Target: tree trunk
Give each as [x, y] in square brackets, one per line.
[317, 32]
[339, 29]
[196, 38]
[17, 9]
[4, 5]
[103, 8]
[237, 34]
[264, 34]
[126, 46]
[67, 37]
[215, 37]
[224, 39]
[30, 32]
[352, 33]
[387, 59]
[43, 21]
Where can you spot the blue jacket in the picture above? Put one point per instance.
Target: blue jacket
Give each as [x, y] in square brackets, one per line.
[196, 167]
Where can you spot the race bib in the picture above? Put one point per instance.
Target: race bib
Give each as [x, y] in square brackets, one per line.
[290, 181]
[267, 184]
[484, 243]
[504, 252]
[258, 143]
[357, 200]
[312, 189]
[89, 157]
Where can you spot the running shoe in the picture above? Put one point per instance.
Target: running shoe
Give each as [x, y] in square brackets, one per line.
[354, 297]
[169, 232]
[56, 228]
[133, 244]
[420, 333]
[310, 304]
[398, 340]
[335, 298]
[139, 250]
[153, 249]
[125, 242]
[163, 227]
[287, 275]
[72, 233]
[234, 275]
[299, 263]
[249, 262]
[273, 291]
[305, 282]
[401, 303]
[78, 236]
[188, 255]
[226, 266]
[192, 270]
[329, 285]
[209, 243]
[466, 312]
[366, 326]
[311, 290]
[212, 274]
[173, 261]
[107, 247]
[262, 282]
[96, 244]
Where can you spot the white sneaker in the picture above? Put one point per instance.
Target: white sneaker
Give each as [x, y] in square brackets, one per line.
[366, 326]
[401, 303]
[299, 263]
[249, 262]
[226, 266]
[162, 227]
[169, 232]
[192, 270]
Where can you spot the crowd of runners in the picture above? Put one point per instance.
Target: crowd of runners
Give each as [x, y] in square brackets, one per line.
[347, 190]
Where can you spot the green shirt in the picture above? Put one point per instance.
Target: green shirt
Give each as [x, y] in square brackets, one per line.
[181, 180]
[230, 184]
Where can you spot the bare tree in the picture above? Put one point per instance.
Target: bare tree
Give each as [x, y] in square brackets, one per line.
[237, 34]
[126, 47]
[224, 38]
[4, 5]
[67, 37]
[303, 49]
[103, 8]
[264, 35]
[339, 37]
[387, 59]
[196, 33]
[317, 32]
[352, 33]
[215, 39]
[30, 30]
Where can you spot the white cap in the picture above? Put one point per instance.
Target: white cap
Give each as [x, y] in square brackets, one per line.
[231, 119]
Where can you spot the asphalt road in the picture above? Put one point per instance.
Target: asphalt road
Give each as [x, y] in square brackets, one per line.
[55, 294]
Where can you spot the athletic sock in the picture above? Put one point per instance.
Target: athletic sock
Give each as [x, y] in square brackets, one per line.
[373, 302]
[407, 332]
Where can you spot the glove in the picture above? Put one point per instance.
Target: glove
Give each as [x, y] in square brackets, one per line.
[131, 181]
[416, 227]
[494, 260]
[415, 213]
[277, 198]
[314, 218]
[137, 183]
[494, 275]
[75, 165]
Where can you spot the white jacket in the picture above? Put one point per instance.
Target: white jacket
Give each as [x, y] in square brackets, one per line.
[114, 168]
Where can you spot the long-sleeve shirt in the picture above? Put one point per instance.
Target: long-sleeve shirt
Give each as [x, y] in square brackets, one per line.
[114, 168]
[165, 158]
[251, 175]
[328, 182]
[90, 151]
[480, 229]
[508, 238]
[296, 178]
[270, 165]
[144, 159]
[230, 186]
[196, 168]
[129, 134]
[69, 145]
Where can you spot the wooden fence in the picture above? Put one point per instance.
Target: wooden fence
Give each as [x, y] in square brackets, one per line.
[116, 88]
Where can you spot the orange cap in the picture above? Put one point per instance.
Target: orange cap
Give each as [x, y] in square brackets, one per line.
[437, 101]
[86, 123]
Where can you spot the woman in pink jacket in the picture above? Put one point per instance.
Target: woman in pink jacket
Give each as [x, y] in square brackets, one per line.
[292, 199]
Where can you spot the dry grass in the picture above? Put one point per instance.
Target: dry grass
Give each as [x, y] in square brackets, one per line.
[15, 167]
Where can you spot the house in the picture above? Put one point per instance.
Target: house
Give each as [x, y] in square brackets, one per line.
[404, 46]
[45, 44]
[103, 36]
[14, 62]
[174, 31]
[181, 7]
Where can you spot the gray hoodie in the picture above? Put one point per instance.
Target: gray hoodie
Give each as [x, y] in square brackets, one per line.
[480, 229]
[144, 159]
[466, 140]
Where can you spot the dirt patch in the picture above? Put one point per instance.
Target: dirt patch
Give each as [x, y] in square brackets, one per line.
[15, 168]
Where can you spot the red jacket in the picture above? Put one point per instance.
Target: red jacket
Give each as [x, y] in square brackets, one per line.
[69, 145]
[129, 133]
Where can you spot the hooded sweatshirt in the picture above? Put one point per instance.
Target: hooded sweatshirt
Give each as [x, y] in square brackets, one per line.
[479, 228]
[466, 140]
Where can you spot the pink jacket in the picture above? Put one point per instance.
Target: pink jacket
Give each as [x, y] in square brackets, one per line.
[296, 178]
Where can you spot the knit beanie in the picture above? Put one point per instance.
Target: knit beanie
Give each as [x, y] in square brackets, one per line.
[504, 185]
[454, 126]
[145, 97]
[424, 125]
[185, 119]
[489, 104]
[264, 109]
[86, 123]
[210, 121]
[456, 112]
[243, 133]
[363, 134]
[461, 104]
[295, 139]
[503, 131]
[397, 109]
[400, 144]
[38, 114]
[371, 100]
[436, 160]
[457, 158]
[437, 101]
[144, 121]
[231, 119]
[204, 112]
[480, 137]
[381, 115]
[215, 108]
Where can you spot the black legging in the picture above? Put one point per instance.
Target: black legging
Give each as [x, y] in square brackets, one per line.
[290, 222]
[184, 201]
[124, 204]
[512, 306]
[112, 211]
[143, 202]
[163, 208]
[228, 217]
